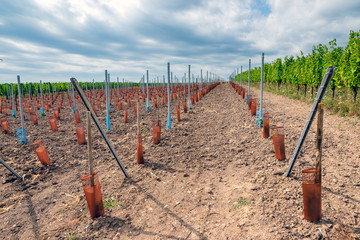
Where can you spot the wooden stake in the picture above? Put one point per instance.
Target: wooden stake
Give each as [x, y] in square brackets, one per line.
[319, 137]
[91, 164]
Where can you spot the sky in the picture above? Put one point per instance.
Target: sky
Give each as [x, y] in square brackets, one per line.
[54, 40]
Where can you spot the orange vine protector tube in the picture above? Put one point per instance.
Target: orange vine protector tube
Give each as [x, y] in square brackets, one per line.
[93, 195]
[311, 195]
[41, 152]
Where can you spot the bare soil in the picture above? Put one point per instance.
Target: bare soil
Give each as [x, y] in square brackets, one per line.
[213, 176]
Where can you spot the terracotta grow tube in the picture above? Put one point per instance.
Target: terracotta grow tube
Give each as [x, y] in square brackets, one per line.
[125, 115]
[253, 107]
[266, 125]
[178, 112]
[34, 118]
[278, 138]
[156, 131]
[4, 125]
[94, 109]
[57, 115]
[155, 103]
[311, 194]
[77, 116]
[93, 195]
[41, 152]
[139, 152]
[249, 103]
[80, 134]
[53, 124]
[135, 110]
[185, 106]
[119, 105]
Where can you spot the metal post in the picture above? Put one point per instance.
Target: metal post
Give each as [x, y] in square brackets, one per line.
[109, 88]
[168, 90]
[249, 77]
[147, 91]
[10, 169]
[143, 84]
[13, 101]
[23, 138]
[163, 91]
[261, 90]
[73, 98]
[118, 86]
[94, 91]
[107, 117]
[189, 100]
[42, 111]
[29, 94]
[106, 93]
[123, 86]
[201, 79]
[321, 92]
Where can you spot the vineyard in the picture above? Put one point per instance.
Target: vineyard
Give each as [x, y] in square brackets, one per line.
[303, 74]
[196, 158]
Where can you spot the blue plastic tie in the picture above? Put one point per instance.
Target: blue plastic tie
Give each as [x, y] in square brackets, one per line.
[247, 97]
[147, 105]
[22, 139]
[169, 122]
[107, 120]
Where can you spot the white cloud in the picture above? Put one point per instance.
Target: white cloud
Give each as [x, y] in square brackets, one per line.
[294, 25]
[84, 37]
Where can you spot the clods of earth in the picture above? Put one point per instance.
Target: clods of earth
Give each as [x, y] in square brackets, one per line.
[212, 176]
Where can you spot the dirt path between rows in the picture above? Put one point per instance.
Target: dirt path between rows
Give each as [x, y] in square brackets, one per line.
[212, 176]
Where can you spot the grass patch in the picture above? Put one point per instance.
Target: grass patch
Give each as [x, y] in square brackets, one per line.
[74, 235]
[240, 202]
[112, 203]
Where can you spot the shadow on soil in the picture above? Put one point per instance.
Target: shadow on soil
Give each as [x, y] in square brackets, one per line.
[168, 211]
[120, 225]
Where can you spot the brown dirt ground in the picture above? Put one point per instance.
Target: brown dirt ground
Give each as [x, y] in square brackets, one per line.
[190, 183]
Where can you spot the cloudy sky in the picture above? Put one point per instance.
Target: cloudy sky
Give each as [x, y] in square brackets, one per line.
[54, 40]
